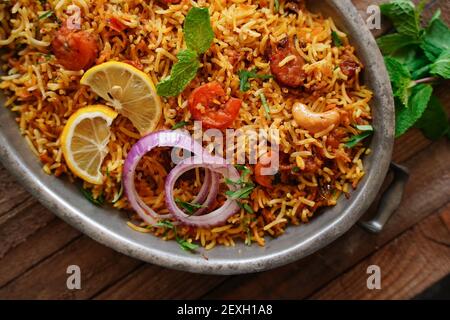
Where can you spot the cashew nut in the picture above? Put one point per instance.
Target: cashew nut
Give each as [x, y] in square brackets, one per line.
[314, 121]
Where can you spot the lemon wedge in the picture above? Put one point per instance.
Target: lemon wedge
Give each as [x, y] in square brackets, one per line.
[128, 90]
[84, 141]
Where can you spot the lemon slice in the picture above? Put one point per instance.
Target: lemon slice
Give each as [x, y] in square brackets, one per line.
[130, 91]
[84, 141]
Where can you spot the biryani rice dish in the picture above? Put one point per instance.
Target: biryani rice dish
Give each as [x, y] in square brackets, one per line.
[270, 65]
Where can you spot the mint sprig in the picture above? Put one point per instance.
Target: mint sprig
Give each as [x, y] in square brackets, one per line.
[416, 58]
[198, 35]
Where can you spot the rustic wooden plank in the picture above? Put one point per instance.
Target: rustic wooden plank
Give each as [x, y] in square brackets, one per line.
[152, 282]
[410, 147]
[426, 192]
[100, 266]
[38, 246]
[408, 265]
[12, 194]
[23, 220]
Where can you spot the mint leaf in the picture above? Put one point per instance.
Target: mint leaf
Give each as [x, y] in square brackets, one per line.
[182, 73]
[414, 59]
[436, 39]
[354, 140]
[441, 67]
[406, 117]
[400, 78]
[403, 15]
[395, 41]
[198, 32]
[434, 122]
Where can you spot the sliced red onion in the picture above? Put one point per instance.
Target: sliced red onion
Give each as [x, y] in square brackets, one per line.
[166, 138]
[218, 216]
[211, 193]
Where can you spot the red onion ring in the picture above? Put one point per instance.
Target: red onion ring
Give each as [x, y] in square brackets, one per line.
[218, 216]
[211, 193]
[166, 138]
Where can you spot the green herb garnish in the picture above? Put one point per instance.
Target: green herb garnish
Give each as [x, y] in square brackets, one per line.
[265, 105]
[416, 58]
[186, 245]
[245, 206]
[45, 15]
[354, 140]
[179, 125]
[246, 75]
[242, 193]
[164, 224]
[336, 39]
[198, 35]
[99, 201]
[181, 74]
[189, 207]
[276, 6]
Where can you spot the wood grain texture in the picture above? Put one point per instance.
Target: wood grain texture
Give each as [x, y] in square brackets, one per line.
[409, 264]
[152, 282]
[100, 266]
[36, 247]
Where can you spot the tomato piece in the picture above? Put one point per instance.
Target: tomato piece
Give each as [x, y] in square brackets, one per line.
[116, 24]
[264, 180]
[206, 104]
[74, 49]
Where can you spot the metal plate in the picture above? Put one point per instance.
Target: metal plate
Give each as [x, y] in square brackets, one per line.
[108, 226]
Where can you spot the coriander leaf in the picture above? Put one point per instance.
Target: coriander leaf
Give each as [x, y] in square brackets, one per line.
[400, 79]
[276, 6]
[265, 105]
[182, 73]
[403, 15]
[354, 140]
[336, 40]
[45, 15]
[434, 122]
[191, 208]
[441, 67]
[179, 125]
[186, 245]
[436, 38]
[242, 193]
[392, 42]
[407, 116]
[198, 32]
[245, 206]
[245, 76]
[99, 201]
[164, 224]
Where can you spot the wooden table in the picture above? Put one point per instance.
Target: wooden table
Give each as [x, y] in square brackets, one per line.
[413, 252]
